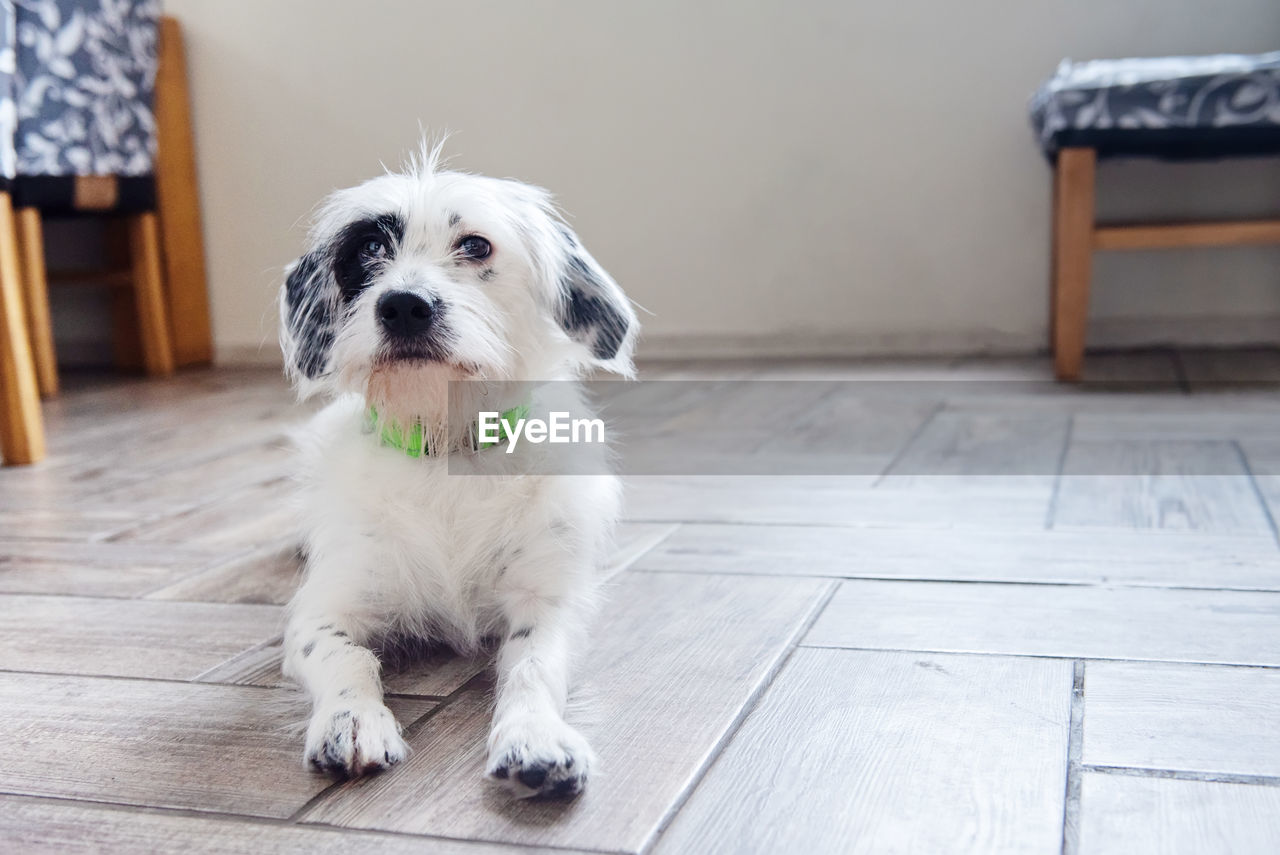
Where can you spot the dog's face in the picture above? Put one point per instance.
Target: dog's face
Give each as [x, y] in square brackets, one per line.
[411, 280]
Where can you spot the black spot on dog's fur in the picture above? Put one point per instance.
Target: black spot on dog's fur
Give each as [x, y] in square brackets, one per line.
[487, 274]
[590, 317]
[522, 632]
[309, 315]
[590, 313]
[351, 268]
[340, 634]
[308, 647]
[454, 219]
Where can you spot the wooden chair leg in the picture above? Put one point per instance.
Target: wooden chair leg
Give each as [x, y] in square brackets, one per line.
[35, 287]
[21, 425]
[1073, 226]
[178, 200]
[148, 290]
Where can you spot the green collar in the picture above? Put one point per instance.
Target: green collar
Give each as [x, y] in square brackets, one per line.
[414, 442]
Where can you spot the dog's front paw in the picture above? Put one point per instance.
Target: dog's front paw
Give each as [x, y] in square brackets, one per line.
[349, 741]
[539, 756]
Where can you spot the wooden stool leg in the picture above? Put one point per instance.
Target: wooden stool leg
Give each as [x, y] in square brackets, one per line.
[178, 199]
[21, 426]
[148, 290]
[35, 287]
[1073, 224]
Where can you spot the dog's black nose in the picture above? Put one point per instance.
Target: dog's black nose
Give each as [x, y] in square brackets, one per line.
[403, 314]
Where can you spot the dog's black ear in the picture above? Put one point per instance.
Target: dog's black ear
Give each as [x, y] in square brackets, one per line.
[593, 310]
[308, 317]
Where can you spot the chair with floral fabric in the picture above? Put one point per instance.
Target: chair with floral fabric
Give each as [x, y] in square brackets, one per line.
[94, 120]
[85, 142]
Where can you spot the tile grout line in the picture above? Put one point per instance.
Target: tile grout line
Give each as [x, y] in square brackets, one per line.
[1075, 741]
[901, 527]
[214, 563]
[222, 562]
[129, 533]
[1257, 489]
[122, 535]
[261, 645]
[1185, 775]
[172, 514]
[637, 550]
[110, 598]
[471, 841]
[1052, 510]
[748, 706]
[193, 682]
[266, 433]
[185, 681]
[1099, 583]
[271, 822]
[906, 446]
[1070, 656]
[142, 600]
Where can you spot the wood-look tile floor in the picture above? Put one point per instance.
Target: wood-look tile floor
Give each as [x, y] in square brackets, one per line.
[1028, 619]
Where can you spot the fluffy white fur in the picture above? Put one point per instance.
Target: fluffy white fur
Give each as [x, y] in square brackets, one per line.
[401, 548]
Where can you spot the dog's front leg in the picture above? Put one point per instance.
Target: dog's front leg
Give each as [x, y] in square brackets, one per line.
[351, 731]
[531, 748]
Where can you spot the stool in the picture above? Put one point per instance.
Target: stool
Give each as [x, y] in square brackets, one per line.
[1176, 108]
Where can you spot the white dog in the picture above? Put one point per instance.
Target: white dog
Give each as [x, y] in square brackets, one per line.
[412, 281]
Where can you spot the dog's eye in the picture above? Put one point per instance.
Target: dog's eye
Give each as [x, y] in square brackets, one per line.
[474, 247]
[374, 248]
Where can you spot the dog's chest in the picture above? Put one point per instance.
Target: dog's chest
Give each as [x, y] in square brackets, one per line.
[438, 543]
[457, 527]
[436, 553]
[455, 531]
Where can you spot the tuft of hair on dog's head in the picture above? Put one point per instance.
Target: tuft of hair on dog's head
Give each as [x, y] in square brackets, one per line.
[419, 277]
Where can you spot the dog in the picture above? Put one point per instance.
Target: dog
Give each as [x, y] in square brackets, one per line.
[421, 291]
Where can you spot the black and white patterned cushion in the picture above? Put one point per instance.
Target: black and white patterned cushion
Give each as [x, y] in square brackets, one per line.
[1204, 106]
[83, 82]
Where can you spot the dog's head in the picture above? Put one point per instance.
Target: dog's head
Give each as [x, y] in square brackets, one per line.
[414, 279]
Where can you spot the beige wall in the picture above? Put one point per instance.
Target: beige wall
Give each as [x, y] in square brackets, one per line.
[827, 175]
